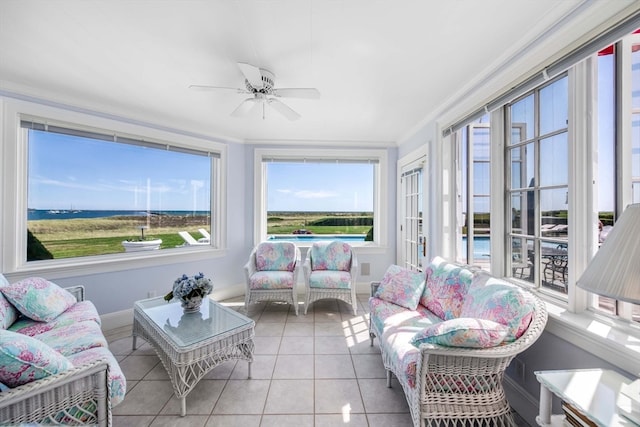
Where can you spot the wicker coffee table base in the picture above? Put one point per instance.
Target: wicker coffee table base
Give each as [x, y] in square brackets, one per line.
[186, 366]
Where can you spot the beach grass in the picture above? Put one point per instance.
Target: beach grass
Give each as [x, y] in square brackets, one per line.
[68, 238]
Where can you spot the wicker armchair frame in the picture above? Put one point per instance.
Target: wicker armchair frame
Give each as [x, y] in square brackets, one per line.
[78, 396]
[460, 386]
[252, 296]
[317, 294]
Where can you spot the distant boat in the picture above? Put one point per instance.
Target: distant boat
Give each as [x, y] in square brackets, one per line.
[53, 212]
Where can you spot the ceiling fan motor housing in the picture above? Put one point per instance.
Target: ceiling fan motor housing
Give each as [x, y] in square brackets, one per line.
[267, 82]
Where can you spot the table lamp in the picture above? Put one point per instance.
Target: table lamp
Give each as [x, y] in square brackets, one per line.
[614, 272]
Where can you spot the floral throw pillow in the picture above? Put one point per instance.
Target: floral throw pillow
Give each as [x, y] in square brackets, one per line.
[462, 332]
[8, 313]
[24, 359]
[38, 298]
[401, 286]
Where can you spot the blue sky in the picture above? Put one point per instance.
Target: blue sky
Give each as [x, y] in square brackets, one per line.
[67, 172]
[320, 187]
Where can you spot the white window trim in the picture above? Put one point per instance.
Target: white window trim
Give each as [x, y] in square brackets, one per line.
[14, 184]
[380, 197]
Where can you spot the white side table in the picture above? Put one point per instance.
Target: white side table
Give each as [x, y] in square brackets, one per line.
[595, 393]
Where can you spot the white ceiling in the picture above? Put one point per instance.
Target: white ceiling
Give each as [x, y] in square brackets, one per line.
[382, 66]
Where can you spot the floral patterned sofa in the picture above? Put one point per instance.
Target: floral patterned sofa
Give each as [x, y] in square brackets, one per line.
[448, 334]
[55, 365]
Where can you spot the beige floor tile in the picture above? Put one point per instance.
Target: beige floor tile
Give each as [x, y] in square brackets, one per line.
[234, 421]
[136, 367]
[178, 421]
[378, 398]
[123, 346]
[294, 367]
[368, 366]
[242, 397]
[269, 329]
[200, 401]
[334, 366]
[389, 420]
[329, 329]
[297, 345]
[287, 421]
[340, 420]
[331, 345]
[132, 420]
[146, 398]
[290, 397]
[337, 397]
[266, 345]
[261, 368]
[298, 330]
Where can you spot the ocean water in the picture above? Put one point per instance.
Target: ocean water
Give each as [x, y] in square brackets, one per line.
[37, 214]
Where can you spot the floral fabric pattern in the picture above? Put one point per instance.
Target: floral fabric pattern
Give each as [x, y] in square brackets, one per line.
[328, 279]
[275, 256]
[79, 312]
[462, 332]
[71, 339]
[24, 359]
[8, 313]
[271, 280]
[116, 377]
[38, 298]
[446, 287]
[501, 302]
[401, 286]
[333, 255]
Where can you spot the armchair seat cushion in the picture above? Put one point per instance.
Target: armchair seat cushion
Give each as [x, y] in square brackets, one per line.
[330, 279]
[271, 280]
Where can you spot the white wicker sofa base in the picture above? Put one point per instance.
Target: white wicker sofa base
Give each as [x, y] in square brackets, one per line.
[453, 376]
[81, 380]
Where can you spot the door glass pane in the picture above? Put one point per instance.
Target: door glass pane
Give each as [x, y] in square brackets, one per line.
[554, 161]
[554, 107]
[522, 166]
[553, 210]
[522, 120]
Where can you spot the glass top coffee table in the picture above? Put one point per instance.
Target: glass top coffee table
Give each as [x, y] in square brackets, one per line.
[192, 344]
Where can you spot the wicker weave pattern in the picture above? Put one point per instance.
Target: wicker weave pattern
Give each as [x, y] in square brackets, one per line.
[313, 294]
[459, 386]
[255, 295]
[187, 365]
[78, 396]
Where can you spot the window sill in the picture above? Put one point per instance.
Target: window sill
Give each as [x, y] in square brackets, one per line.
[74, 267]
[616, 341]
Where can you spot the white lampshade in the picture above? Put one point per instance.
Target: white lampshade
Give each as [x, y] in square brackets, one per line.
[614, 271]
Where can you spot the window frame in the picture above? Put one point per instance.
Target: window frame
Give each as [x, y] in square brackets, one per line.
[380, 196]
[13, 192]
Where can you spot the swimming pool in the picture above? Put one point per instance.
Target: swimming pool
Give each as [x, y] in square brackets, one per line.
[481, 247]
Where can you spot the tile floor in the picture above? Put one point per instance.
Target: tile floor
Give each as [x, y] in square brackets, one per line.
[314, 370]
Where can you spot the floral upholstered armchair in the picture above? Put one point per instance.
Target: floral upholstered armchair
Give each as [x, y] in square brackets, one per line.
[330, 272]
[272, 273]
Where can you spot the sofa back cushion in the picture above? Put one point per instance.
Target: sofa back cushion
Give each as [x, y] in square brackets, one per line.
[276, 256]
[500, 301]
[38, 298]
[8, 313]
[446, 287]
[335, 255]
[401, 286]
[24, 359]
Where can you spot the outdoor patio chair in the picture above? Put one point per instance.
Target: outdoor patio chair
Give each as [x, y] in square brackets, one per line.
[330, 273]
[189, 240]
[272, 274]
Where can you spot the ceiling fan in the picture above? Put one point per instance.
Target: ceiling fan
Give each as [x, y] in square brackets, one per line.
[259, 83]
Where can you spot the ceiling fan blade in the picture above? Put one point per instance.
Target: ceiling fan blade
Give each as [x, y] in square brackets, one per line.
[305, 93]
[245, 107]
[252, 74]
[219, 88]
[284, 109]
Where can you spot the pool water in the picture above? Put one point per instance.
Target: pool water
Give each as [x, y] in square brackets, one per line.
[311, 238]
[481, 247]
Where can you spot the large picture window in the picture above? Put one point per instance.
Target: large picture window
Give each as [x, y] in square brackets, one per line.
[91, 193]
[307, 196]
